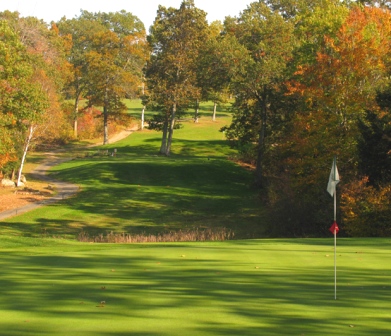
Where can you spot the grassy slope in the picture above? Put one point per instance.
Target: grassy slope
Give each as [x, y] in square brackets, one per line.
[139, 191]
[254, 287]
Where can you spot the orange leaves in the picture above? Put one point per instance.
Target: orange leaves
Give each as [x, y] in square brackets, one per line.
[350, 66]
[366, 209]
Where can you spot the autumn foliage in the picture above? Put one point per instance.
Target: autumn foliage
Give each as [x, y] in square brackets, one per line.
[311, 80]
[349, 69]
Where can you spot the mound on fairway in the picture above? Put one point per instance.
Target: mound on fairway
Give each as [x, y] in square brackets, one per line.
[137, 191]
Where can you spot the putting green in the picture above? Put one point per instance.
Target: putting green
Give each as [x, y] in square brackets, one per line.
[254, 287]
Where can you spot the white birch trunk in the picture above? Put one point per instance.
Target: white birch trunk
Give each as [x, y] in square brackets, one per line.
[143, 111]
[142, 118]
[171, 130]
[76, 114]
[196, 112]
[25, 149]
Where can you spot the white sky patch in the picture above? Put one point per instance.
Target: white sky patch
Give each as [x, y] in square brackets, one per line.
[145, 10]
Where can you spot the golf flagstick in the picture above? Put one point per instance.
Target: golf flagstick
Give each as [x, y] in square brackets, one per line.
[335, 244]
[332, 189]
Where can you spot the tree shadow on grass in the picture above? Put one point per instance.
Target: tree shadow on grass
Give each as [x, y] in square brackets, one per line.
[148, 196]
[181, 148]
[156, 291]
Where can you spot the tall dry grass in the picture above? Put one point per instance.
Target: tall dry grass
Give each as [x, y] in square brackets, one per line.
[216, 234]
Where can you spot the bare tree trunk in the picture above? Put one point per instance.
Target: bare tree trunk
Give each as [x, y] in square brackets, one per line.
[171, 130]
[25, 149]
[163, 146]
[196, 112]
[142, 118]
[143, 111]
[76, 115]
[105, 120]
[214, 111]
[259, 180]
[105, 126]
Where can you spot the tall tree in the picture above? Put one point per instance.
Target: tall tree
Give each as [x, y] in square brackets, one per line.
[269, 41]
[175, 38]
[22, 100]
[213, 73]
[109, 52]
[80, 32]
[348, 70]
[337, 79]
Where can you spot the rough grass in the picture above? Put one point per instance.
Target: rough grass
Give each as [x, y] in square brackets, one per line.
[188, 235]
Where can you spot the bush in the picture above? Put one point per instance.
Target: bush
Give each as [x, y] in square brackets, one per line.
[246, 154]
[366, 210]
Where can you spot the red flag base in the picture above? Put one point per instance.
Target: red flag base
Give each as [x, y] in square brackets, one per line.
[334, 227]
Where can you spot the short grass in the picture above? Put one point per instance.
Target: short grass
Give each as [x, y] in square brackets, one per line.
[253, 287]
[242, 287]
[139, 191]
[205, 110]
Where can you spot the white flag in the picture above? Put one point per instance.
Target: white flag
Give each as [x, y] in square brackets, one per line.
[333, 179]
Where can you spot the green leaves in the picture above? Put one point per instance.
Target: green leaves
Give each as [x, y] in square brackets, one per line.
[22, 101]
[176, 39]
[108, 53]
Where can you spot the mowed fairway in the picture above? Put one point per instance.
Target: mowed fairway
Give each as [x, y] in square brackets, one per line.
[252, 287]
[140, 191]
[53, 285]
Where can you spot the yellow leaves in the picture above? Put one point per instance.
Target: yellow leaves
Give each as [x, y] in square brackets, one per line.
[295, 87]
[300, 70]
[349, 66]
[365, 209]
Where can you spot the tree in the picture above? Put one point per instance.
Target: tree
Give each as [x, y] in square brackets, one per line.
[213, 73]
[337, 80]
[108, 54]
[175, 38]
[269, 41]
[80, 32]
[349, 69]
[22, 99]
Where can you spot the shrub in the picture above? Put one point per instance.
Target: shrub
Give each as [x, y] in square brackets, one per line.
[366, 210]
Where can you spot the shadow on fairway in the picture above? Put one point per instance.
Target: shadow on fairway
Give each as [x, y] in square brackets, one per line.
[181, 148]
[143, 195]
[157, 294]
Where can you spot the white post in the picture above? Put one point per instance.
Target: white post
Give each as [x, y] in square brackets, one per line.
[335, 264]
[142, 118]
[143, 111]
[332, 190]
[335, 233]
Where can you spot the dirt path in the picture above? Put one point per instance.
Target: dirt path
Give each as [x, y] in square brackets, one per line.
[64, 189]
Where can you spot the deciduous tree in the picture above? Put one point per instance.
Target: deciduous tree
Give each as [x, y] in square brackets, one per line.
[175, 38]
[268, 38]
[108, 54]
[22, 100]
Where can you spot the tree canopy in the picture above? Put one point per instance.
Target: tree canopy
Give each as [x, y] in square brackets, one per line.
[176, 40]
[308, 80]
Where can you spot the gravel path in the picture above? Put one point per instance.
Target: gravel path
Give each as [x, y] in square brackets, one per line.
[64, 189]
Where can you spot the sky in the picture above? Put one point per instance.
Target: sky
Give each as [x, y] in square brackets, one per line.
[145, 10]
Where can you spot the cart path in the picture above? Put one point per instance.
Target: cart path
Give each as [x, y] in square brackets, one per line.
[64, 189]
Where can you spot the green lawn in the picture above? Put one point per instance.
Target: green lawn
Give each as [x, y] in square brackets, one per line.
[140, 191]
[205, 109]
[52, 286]
[249, 287]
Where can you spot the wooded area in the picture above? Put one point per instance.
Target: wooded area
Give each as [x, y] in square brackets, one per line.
[310, 80]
